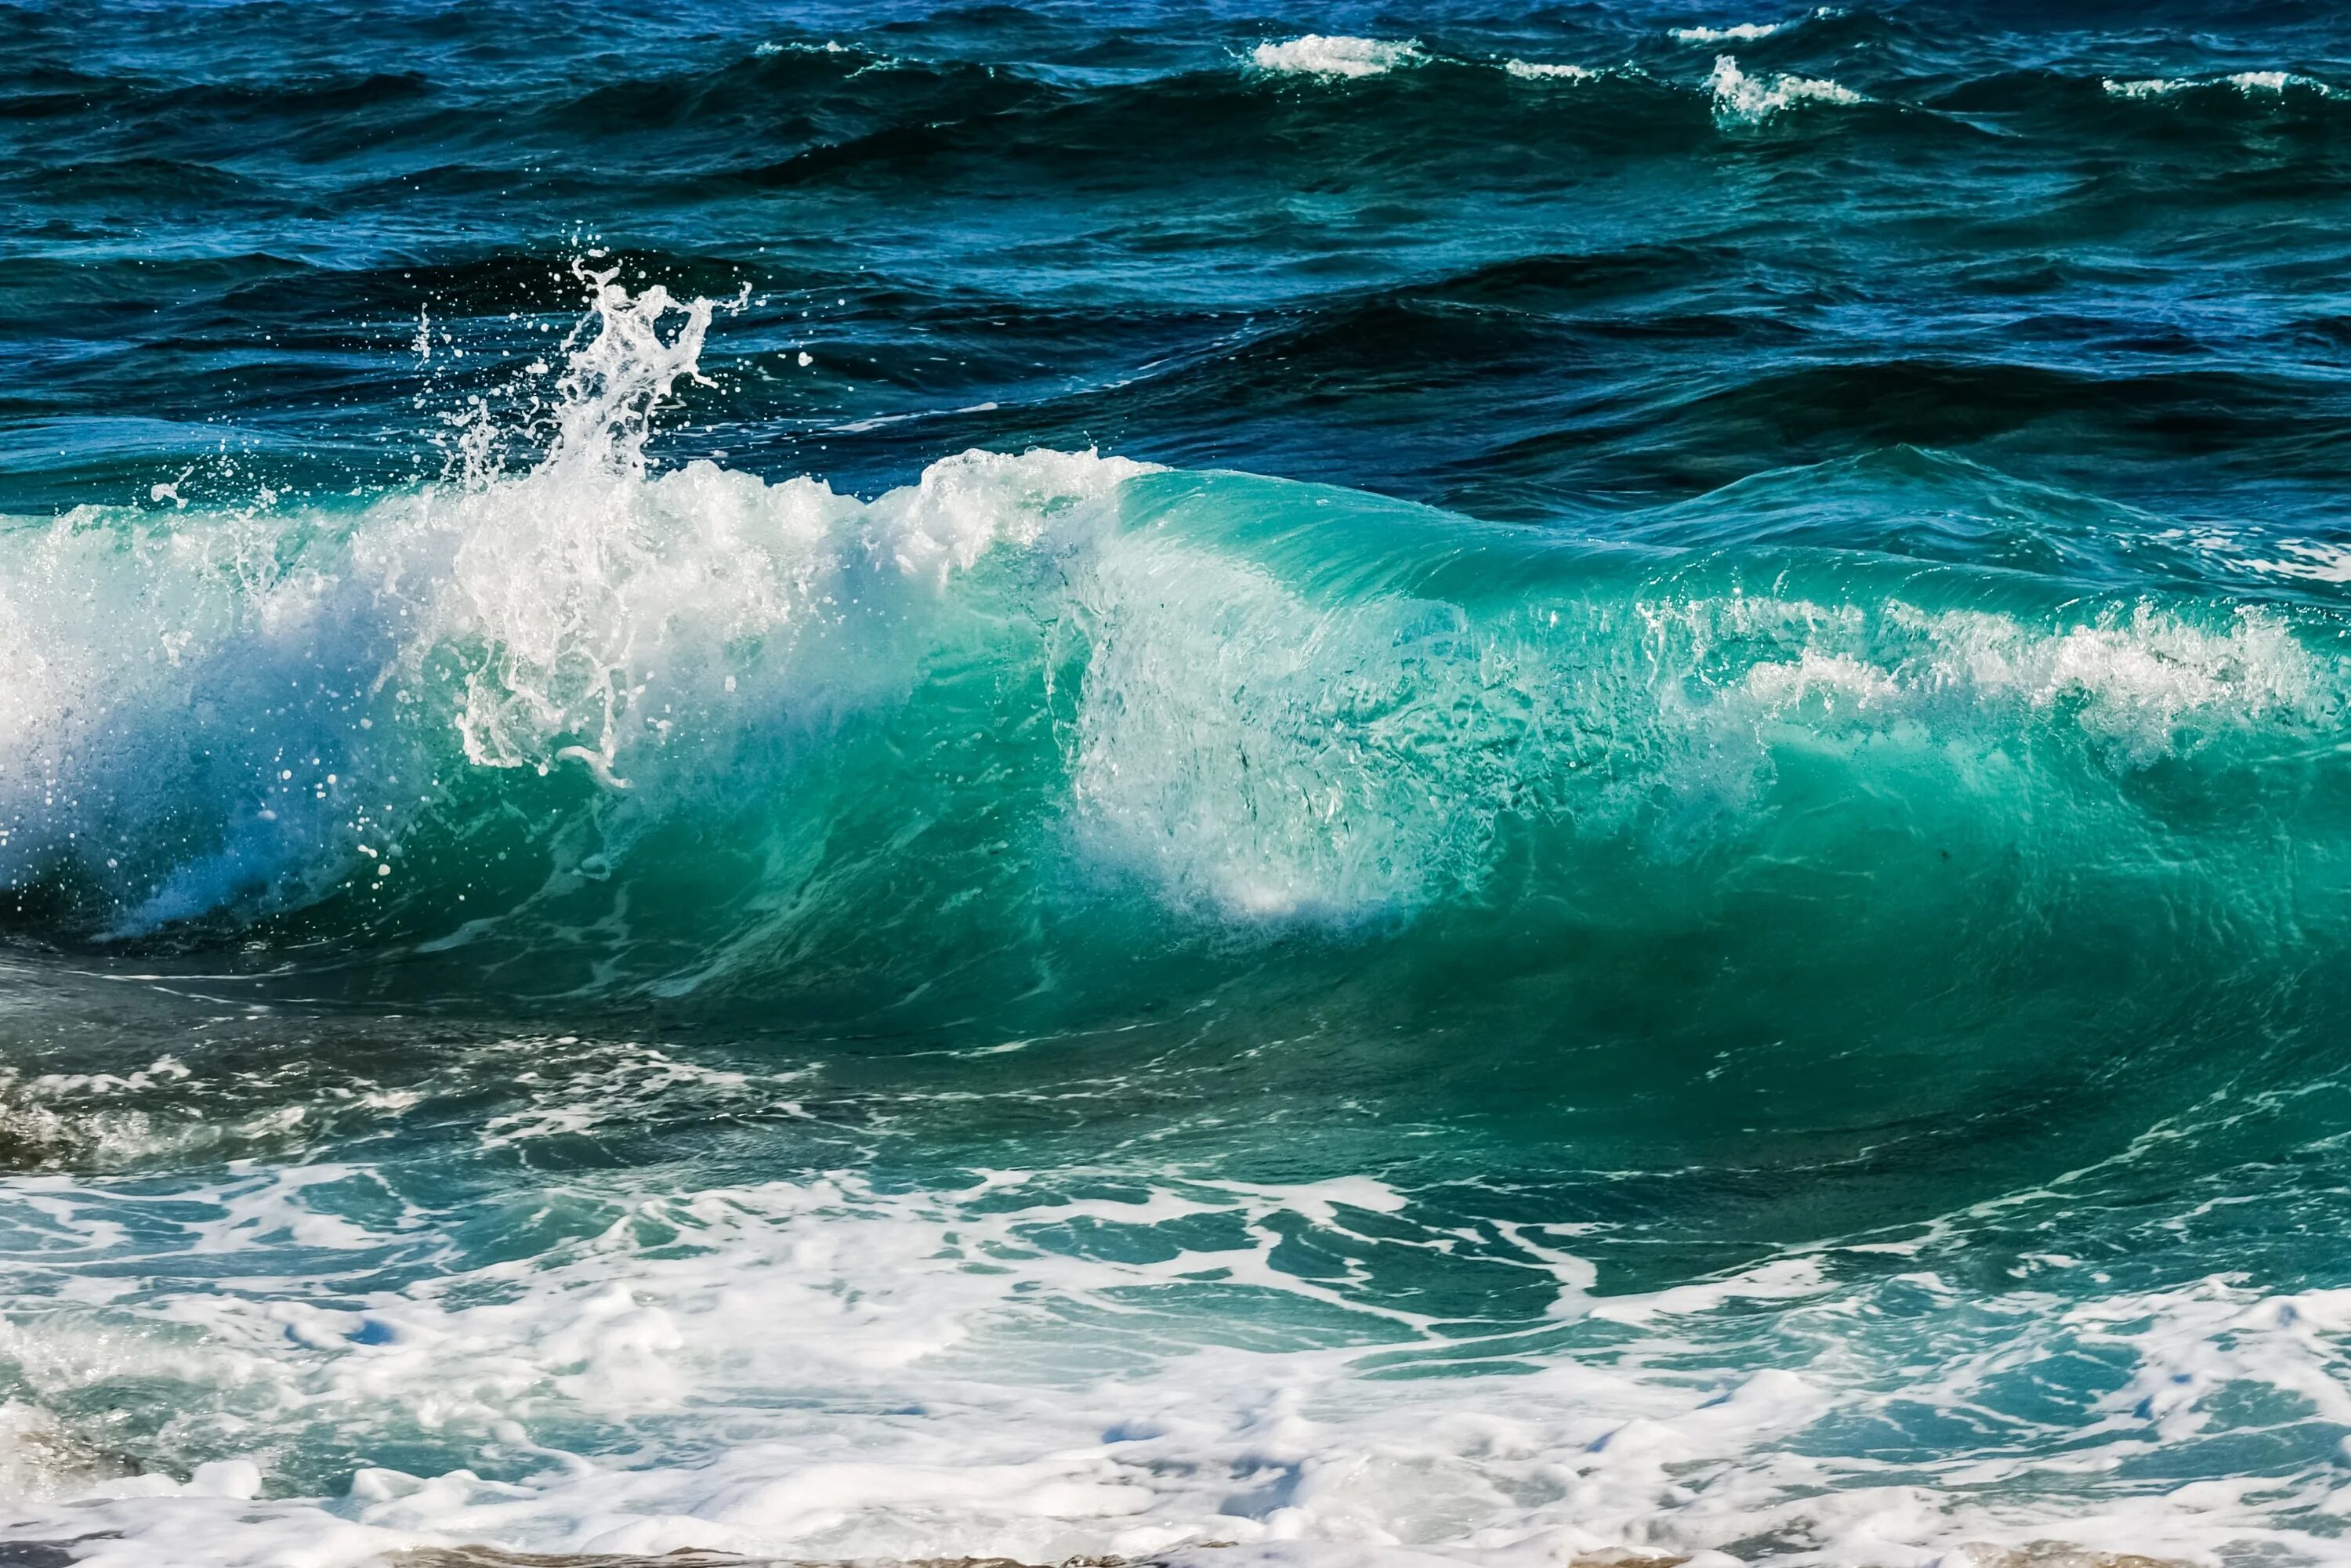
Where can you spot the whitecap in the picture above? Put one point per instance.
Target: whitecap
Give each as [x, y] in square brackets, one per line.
[1749, 99]
[2274, 84]
[1335, 55]
[1544, 70]
[292, 677]
[1745, 32]
[830, 47]
[2147, 87]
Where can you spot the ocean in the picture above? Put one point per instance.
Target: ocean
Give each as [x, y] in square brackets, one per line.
[1393, 785]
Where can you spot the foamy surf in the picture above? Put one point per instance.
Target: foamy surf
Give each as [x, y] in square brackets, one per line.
[1739, 33]
[902, 1376]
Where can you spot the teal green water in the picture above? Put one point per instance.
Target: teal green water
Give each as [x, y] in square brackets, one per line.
[877, 783]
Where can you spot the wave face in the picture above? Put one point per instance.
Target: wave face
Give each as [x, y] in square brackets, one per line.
[885, 784]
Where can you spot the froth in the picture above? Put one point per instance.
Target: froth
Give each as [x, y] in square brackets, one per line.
[900, 1375]
[2273, 84]
[1544, 70]
[1745, 99]
[1319, 54]
[1744, 32]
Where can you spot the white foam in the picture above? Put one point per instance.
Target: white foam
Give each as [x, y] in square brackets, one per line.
[1332, 55]
[1826, 677]
[1745, 99]
[2142, 681]
[1544, 71]
[825, 1370]
[1081, 1363]
[2145, 683]
[2250, 83]
[1745, 31]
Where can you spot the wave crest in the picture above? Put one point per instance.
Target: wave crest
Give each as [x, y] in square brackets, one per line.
[1333, 56]
[1751, 100]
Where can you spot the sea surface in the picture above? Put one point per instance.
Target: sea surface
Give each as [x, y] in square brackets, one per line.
[1342, 785]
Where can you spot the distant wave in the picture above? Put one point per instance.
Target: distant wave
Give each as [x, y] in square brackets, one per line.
[1751, 100]
[1742, 32]
[1544, 71]
[1335, 55]
[2274, 83]
[1746, 32]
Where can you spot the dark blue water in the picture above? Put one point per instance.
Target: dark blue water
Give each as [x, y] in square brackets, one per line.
[1384, 785]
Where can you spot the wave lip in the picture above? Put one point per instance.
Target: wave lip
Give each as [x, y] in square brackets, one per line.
[1335, 55]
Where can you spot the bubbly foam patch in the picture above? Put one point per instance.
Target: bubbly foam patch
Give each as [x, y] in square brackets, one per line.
[823, 1369]
[1333, 56]
[1744, 32]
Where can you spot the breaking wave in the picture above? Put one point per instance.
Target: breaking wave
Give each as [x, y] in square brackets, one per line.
[478, 719]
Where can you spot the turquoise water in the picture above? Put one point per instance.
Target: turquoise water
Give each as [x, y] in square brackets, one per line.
[1349, 787]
